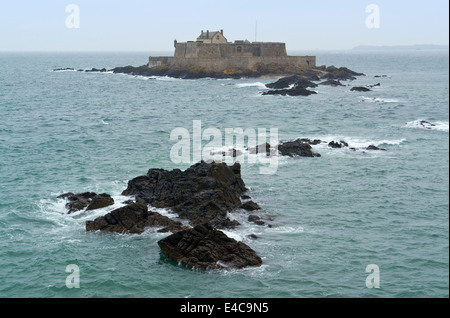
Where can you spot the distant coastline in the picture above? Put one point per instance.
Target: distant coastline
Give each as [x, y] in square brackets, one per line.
[416, 47]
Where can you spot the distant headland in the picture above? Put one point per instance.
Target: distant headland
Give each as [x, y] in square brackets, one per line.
[416, 47]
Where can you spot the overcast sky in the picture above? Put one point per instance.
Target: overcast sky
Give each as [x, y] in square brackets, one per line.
[138, 25]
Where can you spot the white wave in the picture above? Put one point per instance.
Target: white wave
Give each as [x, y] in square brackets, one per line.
[233, 235]
[355, 142]
[256, 84]
[104, 122]
[288, 229]
[424, 124]
[165, 78]
[378, 100]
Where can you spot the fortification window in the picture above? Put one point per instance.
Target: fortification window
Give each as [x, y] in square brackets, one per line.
[239, 49]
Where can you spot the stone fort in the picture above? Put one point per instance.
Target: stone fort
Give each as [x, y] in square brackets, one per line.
[213, 52]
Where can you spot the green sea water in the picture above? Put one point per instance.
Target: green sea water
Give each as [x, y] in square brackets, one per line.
[331, 216]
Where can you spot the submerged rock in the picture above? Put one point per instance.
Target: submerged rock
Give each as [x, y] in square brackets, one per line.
[342, 74]
[263, 148]
[204, 247]
[295, 91]
[360, 89]
[250, 206]
[372, 147]
[128, 219]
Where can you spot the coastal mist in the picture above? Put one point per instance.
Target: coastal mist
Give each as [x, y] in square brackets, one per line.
[361, 211]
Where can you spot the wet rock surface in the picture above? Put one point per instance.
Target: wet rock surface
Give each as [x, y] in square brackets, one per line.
[299, 147]
[204, 193]
[204, 247]
[88, 200]
[133, 219]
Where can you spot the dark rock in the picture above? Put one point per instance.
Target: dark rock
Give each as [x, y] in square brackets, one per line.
[372, 147]
[77, 202]
[427, 124]
[129, 219]
[250, 206]
[155, 219]
[204, 247]
[255, 219]
[295, 91]
[311, 142]
[296, 80]
[332, 82]
[63, 69]
[296, 148]
[97, 70]
[260, 149]
[360, 89]
[340, 144]
[252, 236]
[340, 74]
[100, 201]
[133, 219]
[204, 193]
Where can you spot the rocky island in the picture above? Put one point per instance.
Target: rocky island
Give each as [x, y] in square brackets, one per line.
[203, 195]
[212, 55]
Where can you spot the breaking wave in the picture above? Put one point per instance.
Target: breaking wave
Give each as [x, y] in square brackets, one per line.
[424, 124]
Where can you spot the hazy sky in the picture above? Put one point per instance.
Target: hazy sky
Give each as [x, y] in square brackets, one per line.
[138, 25]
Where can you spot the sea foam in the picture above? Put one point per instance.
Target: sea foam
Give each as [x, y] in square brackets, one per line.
[424, 124]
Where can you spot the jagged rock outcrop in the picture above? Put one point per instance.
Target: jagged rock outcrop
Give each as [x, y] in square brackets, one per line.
[204, 247]
[373, 147]
[88, 200]
[296, 80]
[296, 148]
[340, 74]
[133, 219]
[204, 193]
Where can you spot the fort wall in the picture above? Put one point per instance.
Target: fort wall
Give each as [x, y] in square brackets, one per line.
[230, 63]
[238, 56]
[239, 48]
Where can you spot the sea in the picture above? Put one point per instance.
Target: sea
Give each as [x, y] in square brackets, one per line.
[352, 223]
